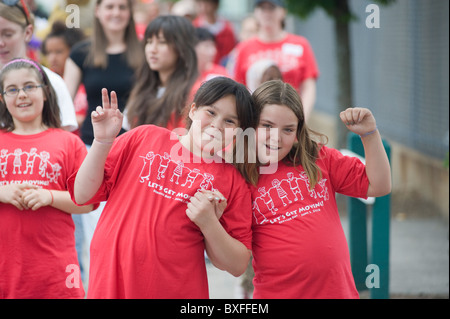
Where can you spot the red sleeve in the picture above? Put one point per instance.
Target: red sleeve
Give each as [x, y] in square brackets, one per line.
[347, 174]
[111, 171]
[237, 217]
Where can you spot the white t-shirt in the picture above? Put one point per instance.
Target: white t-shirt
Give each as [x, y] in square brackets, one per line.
[67, 109]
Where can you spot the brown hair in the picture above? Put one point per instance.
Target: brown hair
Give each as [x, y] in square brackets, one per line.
[306, 151]
[50, 112]
[97, 55]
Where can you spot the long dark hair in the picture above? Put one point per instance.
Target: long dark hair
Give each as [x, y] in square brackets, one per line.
[144, 107]
[50, 113]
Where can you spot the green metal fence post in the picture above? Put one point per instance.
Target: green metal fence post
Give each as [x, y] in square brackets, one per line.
[380, 241]
[381, 216]
[357, 212]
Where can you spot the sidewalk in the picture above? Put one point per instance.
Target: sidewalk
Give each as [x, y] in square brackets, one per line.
[419, 261]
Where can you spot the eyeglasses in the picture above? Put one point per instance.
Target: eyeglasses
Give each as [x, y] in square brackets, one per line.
[23, 8]
[27, 89]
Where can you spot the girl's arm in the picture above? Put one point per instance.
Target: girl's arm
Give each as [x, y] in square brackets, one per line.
[37, 198]
[361, 121]
[106, 121]
[72, 77]
[224, 251]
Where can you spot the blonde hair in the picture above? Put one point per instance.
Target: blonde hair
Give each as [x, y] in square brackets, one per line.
[306, 151]
[16, 15]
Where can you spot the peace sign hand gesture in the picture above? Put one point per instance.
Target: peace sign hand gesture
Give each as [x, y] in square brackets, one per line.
[107, 120]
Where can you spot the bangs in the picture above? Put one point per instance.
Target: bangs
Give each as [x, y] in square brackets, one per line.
[158, 25]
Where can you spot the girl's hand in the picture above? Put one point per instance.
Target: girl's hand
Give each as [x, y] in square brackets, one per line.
[107, 120]
[358, 120]
[37, 198]
[206, 207]
[216, 197]
[13, 194]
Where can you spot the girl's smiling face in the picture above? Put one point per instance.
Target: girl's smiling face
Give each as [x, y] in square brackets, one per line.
[276, 133]
[25, 108]
[213, 126]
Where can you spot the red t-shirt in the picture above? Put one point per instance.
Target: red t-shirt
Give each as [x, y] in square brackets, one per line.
[214, 71]
[37, 248]
[224, 35]
[299, 246]
[293, 55]
[144, 245]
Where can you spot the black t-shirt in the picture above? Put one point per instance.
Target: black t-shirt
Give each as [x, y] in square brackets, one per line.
[118, 77]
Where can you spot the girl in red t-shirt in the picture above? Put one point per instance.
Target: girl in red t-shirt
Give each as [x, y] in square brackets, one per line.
[158, 220]
[37, 241]
[299, 247]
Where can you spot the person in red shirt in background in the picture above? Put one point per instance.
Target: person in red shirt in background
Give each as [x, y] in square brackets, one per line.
[145, 11]
[206, 51]
[221, 28]
[291, 53]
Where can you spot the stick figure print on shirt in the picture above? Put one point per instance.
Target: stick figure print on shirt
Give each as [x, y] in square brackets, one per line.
[3, 162]
[191, 177]
[255, 208]
[304, 178]
[47, 170]
[177, 172]
[43, 165]
[148, 159]
[280, 191]
[206, 182]
[293, 184]
[17, 161]
[163, 166]
[324, 192]
[267, 199]
[53, 176]
[30, 160]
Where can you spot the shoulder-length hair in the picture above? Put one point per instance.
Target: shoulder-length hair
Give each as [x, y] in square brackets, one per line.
[144, 106]
[97, 55]
[50, 112]
[306, 151]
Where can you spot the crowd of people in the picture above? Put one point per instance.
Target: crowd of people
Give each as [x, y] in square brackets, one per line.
[119, 162]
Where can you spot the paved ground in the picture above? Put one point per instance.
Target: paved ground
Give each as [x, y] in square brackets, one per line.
[419, 257]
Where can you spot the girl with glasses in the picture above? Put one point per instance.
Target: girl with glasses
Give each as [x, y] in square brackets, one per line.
[36, 157]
